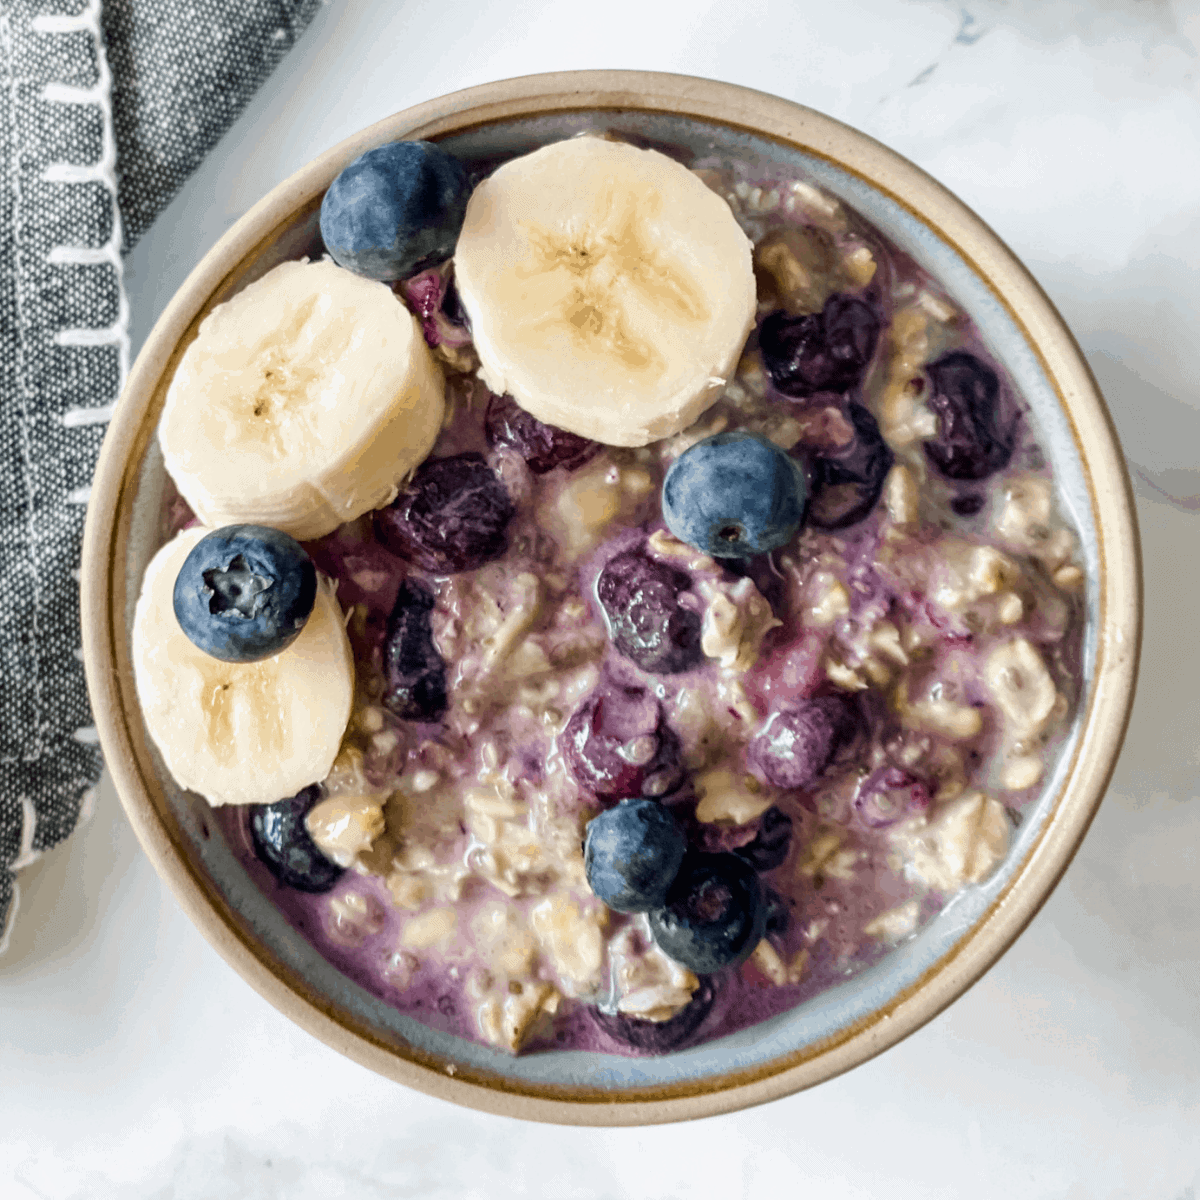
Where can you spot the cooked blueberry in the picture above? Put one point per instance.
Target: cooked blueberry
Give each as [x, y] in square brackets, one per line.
[770, 845]
[413, 669]
[452, 307]
[618, 745]
[821, 352]
[714, 915]
[543, 447]
[281, 841]
[797, 743]
[846, 485]
[427, 294]
[968, 505]
[640, 599]
[888, 795]
[779, 912]
[453, 516]
[631, 855]
[734, 495]
[717, 837]
[964, 396]
[395, 209]
[244, 592]
[657, 1037]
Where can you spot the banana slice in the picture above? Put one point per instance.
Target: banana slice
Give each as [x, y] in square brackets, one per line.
[240, 733]
[610, 291]
[302, 403]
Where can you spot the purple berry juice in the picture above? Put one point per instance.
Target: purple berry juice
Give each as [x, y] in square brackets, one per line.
[857, 718]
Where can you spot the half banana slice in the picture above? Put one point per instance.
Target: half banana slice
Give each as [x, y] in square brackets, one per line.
[302, 403]
[610, 291]
[240, 733]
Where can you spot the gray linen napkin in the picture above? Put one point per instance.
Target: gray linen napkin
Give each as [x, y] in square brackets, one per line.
[106, 107]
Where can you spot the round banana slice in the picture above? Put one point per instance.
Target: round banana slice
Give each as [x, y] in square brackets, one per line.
[610, 291]
[302, 403]
[240, 733]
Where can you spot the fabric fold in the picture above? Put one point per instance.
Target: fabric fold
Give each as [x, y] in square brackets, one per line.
[105, 109]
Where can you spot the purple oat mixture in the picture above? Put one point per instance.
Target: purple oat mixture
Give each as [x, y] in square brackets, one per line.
[857, 715]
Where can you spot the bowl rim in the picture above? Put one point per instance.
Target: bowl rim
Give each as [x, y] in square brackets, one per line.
[1118, 634]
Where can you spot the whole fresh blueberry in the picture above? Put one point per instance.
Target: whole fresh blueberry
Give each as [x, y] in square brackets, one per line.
[244, 592]
[640, 599]
[714, 915]
[846, 485]
[889, 795]
[964, 396]
[543, 447]
[631, 855]
[619, 745]
[282, 842]
[734, 495]
[413, 669]
[770, 845]
[821, 352]
[395, 209]
[453, 516]
[657, 1037]
[797, 743]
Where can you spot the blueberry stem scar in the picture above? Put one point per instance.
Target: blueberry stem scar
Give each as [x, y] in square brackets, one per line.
[236, 589]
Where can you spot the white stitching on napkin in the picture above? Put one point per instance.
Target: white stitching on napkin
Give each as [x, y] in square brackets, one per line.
[99, 415]
[13, 905]
[104, 171]
[26, 856]
[106, 256]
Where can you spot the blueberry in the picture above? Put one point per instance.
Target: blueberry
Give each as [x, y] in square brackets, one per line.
[888, 795]
[395, 209]
[543, 447]
[734, 495]
[453, 516]
[631, 855]
[429, 294]
[964, 395]
[714, 916]
[779, 912]
[797, 743]
[771, 843]
[245, 592]
[281, 841]
[640, 599]
[413, 669]
[618, 745]
[452, 306]
[822, 352]
[657, 1037]
[846, 485]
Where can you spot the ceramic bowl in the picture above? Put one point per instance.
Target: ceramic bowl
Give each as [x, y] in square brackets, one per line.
[841, 1027]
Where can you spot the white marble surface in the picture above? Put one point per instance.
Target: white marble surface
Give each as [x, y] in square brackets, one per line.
[136, 1064]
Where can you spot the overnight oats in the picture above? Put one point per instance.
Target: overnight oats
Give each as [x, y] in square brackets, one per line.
[607, 602]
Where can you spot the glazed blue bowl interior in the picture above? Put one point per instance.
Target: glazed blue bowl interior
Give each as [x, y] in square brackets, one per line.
[873, 988]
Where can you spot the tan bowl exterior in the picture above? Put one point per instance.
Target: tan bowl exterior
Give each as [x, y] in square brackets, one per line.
[105, 599]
